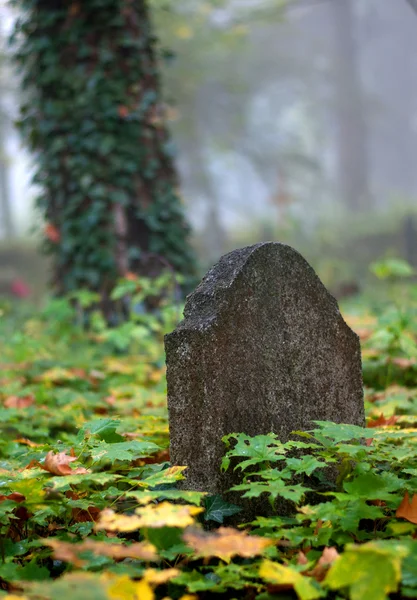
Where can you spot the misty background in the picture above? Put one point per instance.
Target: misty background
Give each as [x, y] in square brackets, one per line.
[294, 122]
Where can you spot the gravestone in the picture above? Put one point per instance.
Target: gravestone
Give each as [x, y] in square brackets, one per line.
[262, 348]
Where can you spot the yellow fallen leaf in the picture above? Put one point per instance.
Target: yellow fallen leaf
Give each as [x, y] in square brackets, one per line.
[111, 521]
[159, 577]
[277, 574]
[225, 543]
[167, 514]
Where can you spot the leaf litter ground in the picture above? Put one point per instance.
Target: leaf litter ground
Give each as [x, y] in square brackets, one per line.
[89, 506]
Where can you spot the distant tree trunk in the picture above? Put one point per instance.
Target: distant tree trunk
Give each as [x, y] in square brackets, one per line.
[351, 125]
[6, 217]
[105, 160]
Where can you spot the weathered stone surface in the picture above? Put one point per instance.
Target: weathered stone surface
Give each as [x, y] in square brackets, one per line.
[263, 347]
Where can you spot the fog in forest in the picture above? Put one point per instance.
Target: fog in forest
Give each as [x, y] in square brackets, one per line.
[293, 122]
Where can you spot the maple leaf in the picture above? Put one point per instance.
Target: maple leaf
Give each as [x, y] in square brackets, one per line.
[68, 552]
[381, 421]
[52, 233]
[111, 521]
[225, 543]
[287, 577]
[164, 514]
[167, 514]
[408, 510]
[19, 401]
[159, 577]
[58, 464]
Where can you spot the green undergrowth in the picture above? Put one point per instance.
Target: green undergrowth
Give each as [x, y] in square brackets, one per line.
[89, 502]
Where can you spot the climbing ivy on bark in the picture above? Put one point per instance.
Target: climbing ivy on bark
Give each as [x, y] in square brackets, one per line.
[93, 116]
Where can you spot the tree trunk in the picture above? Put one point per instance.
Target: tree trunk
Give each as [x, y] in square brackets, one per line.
[349, 111]
[95, 120]
[6, 217]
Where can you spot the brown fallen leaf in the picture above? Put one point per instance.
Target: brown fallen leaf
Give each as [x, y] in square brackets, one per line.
[225, 543]
[408, 510]
[70, 552]
[58, 464]
[326, 559]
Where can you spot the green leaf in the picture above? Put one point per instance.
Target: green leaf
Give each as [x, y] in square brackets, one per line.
[104, 429]
[257, 450]
[369, 571]
[125, 451]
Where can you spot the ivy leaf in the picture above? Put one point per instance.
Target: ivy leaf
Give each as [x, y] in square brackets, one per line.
[216, 509]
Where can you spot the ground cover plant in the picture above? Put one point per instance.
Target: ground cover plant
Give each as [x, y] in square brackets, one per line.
[89, 503]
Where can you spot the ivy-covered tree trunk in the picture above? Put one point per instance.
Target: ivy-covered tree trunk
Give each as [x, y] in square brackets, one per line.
[95, 121]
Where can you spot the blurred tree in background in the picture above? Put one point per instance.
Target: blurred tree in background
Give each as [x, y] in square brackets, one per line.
[6, 87]
[95, 122]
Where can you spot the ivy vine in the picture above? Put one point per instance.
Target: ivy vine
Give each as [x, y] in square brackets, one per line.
[93, 116]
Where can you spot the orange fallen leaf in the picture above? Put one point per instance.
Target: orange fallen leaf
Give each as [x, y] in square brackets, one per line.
[408, 510]
[16, 496]
[403, 363]
[69, 552]
[58, 464]
[27, 442]
[19, 401]
[225, 543]
[52, 233]
[381, 421]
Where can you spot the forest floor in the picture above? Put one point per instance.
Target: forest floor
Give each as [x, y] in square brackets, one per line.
[89, 506]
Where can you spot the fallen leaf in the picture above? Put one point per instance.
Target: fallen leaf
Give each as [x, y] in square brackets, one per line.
[80, 515]
[70, 552]
[27, 442]
[381, 421]
[167, 514]
[13, 496]
[111, 521]
[403, 363]
[408, 510]
[19, 401]
[159, 577]
[326, 559]
[225, 543]
[286, 578]
[58, 464]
